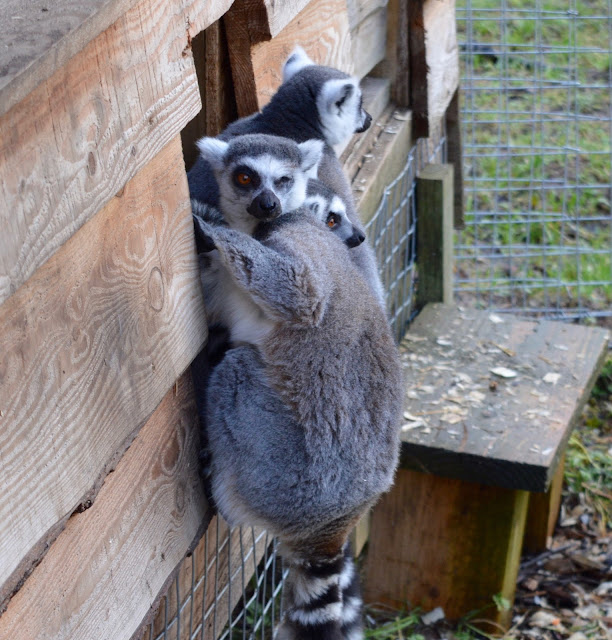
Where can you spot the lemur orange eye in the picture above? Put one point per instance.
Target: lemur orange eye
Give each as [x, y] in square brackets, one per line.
[244, 178]
[332, 220]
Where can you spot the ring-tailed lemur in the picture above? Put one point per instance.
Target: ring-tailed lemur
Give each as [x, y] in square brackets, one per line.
[330, 208]
[303, 427]
[313, 102]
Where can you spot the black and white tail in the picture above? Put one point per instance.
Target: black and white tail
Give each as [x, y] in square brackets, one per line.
[322, 600]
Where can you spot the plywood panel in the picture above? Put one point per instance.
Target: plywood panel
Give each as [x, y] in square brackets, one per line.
[75, 141]
[41, 36]
[321, 28]
[88, 347]
[104, 571]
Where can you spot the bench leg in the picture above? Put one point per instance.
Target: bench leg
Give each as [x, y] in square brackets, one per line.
[542, 514]
[448, 543]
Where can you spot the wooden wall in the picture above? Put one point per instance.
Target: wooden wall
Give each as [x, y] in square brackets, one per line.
[100, 308]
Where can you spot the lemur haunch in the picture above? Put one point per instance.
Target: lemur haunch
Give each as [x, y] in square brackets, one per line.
[314, 102]
[303, 429]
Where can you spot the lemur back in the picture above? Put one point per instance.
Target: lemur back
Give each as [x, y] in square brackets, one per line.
[303, 429]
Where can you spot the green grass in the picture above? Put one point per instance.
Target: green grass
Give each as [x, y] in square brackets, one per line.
[528, 145]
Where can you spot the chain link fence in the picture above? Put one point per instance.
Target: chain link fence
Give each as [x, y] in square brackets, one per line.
[537, 133]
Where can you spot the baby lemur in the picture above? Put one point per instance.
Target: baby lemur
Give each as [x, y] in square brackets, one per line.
[303, 423]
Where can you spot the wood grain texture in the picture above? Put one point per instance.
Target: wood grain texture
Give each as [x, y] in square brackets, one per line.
[42, 36]
[359, 10]
[369, 42]
[434, 194]
[507, 432]
[321, 28]
[439, 542]
[434, 61]
[101, 575]
[89, 346]
[75, 141]
[198, 600]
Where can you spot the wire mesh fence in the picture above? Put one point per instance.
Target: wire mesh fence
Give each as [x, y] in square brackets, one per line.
[537, 132]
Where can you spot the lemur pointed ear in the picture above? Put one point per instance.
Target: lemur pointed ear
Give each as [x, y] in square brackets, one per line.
[335, 93]
[213, 150]
[312, 152]
[295, 62]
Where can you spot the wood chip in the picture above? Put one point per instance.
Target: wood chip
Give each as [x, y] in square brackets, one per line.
[551, 378]
[504, 372]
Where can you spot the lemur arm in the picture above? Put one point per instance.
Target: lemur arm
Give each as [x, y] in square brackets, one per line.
[284, 285]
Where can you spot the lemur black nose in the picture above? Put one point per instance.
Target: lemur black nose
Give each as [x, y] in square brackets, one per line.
[366, 122]
[265, 206]
[356, 239]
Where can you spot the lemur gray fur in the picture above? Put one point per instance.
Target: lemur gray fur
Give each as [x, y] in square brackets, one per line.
[313, 102]
[303, 425]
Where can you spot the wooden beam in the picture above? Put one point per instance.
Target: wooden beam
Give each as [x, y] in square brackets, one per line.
[543, 513]
[369, 42]
[437, 542]
[454, 153]
[257, 65]
[359, 10]
[383, 162]
[103, 573]
[43, 36]
[434, 62]
[434, 193]
[90, 345]
[71, 144]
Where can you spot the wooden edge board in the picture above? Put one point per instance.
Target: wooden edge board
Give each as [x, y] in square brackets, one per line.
[90, 345]
[383, 163]
[148, 514]
[369, 42]
[360, 10]
[44, 36]
[74, 142]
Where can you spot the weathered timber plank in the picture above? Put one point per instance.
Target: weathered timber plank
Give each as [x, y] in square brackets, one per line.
[369, 42]
[454, 153]
[75, 140]
[103, 572]
[42, 36]
[507, 432]
[440, 542]
[88, 347]
[384, 161]
[321, 28]
[359, 10]
[434, 61]
[216, 89]
[202, 585]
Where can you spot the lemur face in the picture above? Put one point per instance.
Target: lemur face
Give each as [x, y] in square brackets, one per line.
[339, 98]
[260, 177]
[332, 212]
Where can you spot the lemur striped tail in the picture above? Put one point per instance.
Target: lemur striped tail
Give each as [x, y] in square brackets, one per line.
[322, 600]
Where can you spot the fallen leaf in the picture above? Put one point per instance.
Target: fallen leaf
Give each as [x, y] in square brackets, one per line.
[551, 378]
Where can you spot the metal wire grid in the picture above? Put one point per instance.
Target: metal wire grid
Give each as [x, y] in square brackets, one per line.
[392, 232]
[229, 588]
[537, 134]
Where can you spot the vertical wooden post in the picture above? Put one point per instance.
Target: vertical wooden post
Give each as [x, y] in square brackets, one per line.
[454, 153]
[435, 198]
[542, 514]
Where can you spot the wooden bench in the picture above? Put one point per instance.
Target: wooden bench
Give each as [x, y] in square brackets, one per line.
[491, 400]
